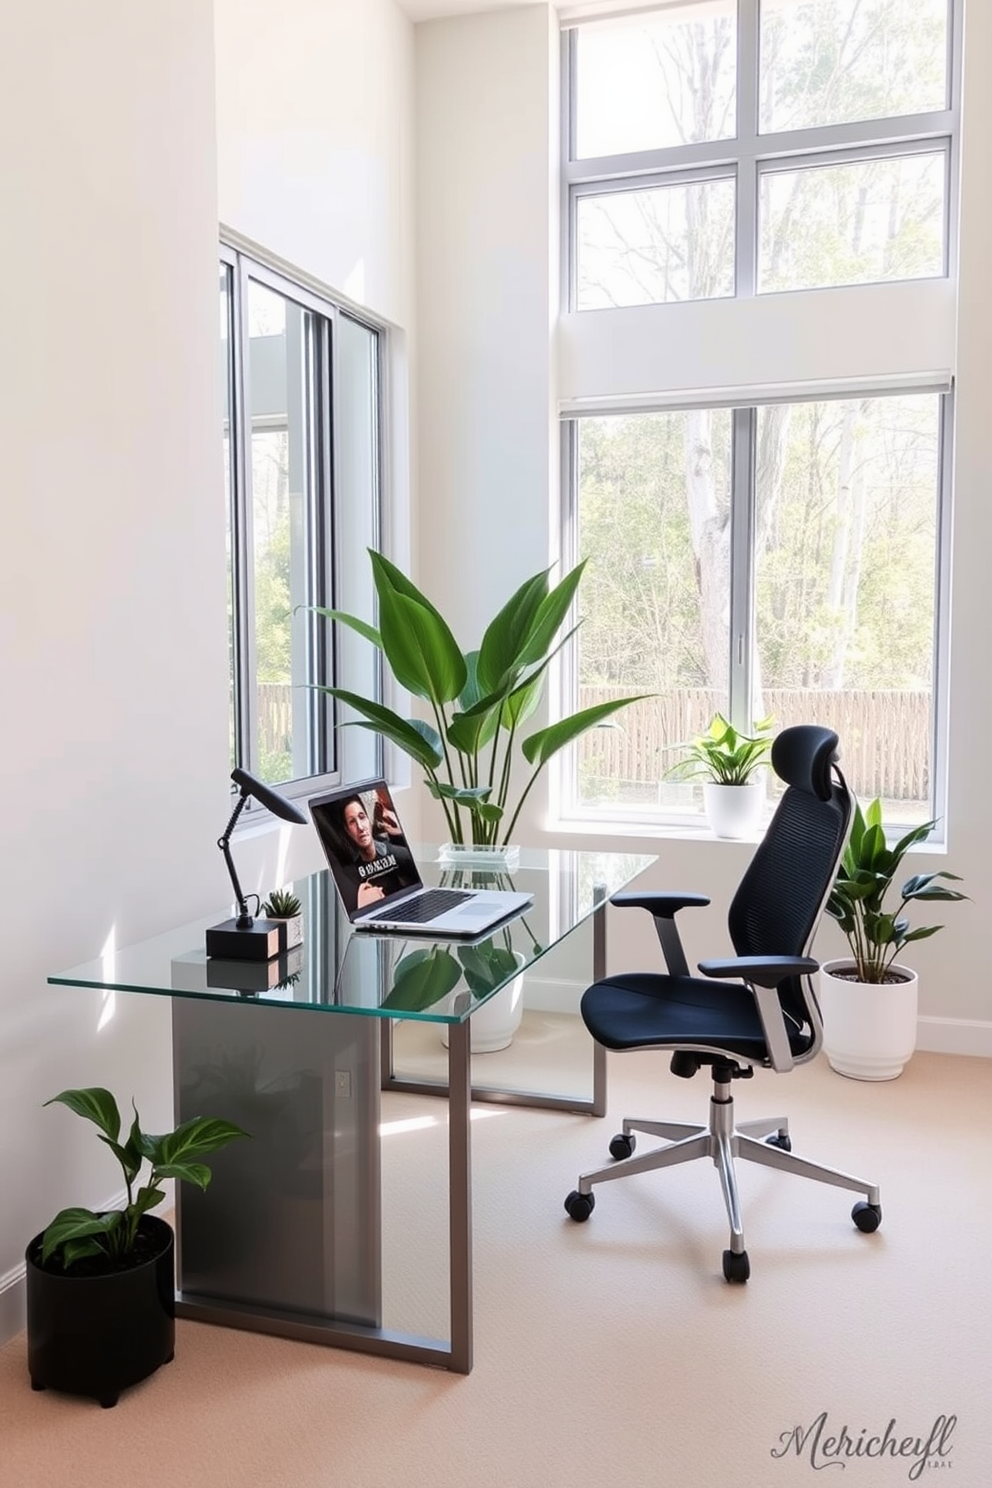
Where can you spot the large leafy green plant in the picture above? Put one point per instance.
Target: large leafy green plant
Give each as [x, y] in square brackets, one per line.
[723, 755]
[877, 935]
[479, 700]
[75, 1233]
[427, 974]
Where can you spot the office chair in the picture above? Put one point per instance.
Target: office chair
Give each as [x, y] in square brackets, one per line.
[772, 1020]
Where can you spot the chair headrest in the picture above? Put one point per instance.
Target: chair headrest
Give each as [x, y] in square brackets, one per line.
[802, 756]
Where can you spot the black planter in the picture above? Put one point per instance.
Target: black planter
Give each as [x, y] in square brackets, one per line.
[94, 1335]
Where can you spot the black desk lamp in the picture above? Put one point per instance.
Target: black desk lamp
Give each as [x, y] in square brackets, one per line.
[245, 938]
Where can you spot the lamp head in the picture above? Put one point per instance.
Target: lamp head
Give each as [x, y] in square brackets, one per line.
[267, 797]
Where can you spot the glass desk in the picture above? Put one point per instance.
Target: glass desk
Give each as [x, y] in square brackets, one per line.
[289, 1238]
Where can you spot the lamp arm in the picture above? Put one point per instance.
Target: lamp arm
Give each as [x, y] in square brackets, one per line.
[245, 920]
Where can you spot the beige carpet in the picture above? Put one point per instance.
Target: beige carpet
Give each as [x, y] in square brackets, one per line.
[611, 1352]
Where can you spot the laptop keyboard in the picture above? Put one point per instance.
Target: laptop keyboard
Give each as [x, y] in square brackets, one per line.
[425, 907]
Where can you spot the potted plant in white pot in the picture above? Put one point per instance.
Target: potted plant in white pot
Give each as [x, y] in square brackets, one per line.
[427, 975]
[283, 904]
[868, 1000]
[101, 1287]
[731, 767]
[479, 700]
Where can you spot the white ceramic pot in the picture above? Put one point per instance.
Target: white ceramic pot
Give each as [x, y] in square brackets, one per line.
[869, 1031]
[734, 810]
[493, 1025]
[294, 929]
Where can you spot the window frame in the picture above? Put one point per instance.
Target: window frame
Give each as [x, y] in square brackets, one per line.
[741, 639]
[750, 153]
[339, 754]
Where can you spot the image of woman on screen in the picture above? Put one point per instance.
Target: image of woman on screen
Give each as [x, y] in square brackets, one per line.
[371, 865]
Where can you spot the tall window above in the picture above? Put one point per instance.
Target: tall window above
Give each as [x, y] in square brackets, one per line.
[745, 147]
[301, 384]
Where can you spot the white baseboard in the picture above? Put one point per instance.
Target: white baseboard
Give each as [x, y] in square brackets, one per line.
[12, 1303]
[955, 1036]
[548, 995]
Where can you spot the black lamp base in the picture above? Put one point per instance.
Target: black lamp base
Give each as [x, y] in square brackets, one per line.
[260, 943]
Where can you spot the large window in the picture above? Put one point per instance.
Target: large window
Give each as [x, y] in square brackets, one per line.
[779, 560]
[776, 549]
[751, 146]
[301, 380]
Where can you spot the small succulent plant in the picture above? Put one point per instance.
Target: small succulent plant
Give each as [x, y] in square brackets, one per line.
[282, 904]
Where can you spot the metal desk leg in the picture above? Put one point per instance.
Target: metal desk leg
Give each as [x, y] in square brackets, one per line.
[460, 1195]
[598, 1107]
[532, 1099]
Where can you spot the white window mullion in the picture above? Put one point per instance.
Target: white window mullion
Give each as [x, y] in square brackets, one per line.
[245, 583]
[742, 568]
[746, 241]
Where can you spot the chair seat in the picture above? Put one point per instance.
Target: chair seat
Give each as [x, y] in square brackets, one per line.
[643, 1009]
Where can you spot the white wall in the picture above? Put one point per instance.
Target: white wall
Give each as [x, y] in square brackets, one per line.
[486, 89]
[315, 140]
[112, 647]
[113, 653]
[487, 302]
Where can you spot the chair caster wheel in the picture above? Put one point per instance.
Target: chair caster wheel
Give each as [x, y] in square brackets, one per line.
[867, 1217]
[622, 1145]
[579, 1206]
[779, 1139]
[736, 1266]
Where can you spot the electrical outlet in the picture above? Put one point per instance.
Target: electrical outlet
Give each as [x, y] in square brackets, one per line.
[342, 1084]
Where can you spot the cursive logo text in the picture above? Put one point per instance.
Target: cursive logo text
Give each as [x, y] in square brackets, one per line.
[826, 1446]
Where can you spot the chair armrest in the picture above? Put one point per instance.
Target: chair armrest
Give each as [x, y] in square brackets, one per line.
[657, 904]
[767, 971]
[664, 908]
[763, 974]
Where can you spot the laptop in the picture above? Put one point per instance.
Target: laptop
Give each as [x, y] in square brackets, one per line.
[377, 880]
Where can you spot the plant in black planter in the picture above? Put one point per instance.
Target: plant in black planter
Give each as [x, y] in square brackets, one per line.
[101, 1287]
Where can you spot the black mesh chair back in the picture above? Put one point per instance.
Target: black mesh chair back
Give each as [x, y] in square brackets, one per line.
[780, 899]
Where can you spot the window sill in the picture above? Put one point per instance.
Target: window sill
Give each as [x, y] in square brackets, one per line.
[646, 831]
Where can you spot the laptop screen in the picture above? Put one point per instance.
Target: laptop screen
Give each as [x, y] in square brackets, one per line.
[365, 846]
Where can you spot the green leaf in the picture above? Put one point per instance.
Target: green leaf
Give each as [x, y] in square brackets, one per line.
[390, 579]
[353, 622]
[923, 886]
[486, 966]
[190, 1172]
[510, 636]
[465, 795]
[96, 1105]
[404, 733]
[422, 652]
[195, 1138]
[422, 979]
[148, 1197]
[552, 614]
[924, 932]
[472, 730]
[540, 747]
[426, 661]
[77, 1224]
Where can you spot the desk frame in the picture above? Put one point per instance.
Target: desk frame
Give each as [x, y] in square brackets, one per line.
[455, 1354]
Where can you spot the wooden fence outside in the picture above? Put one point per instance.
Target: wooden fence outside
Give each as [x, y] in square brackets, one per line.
[884, 736]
